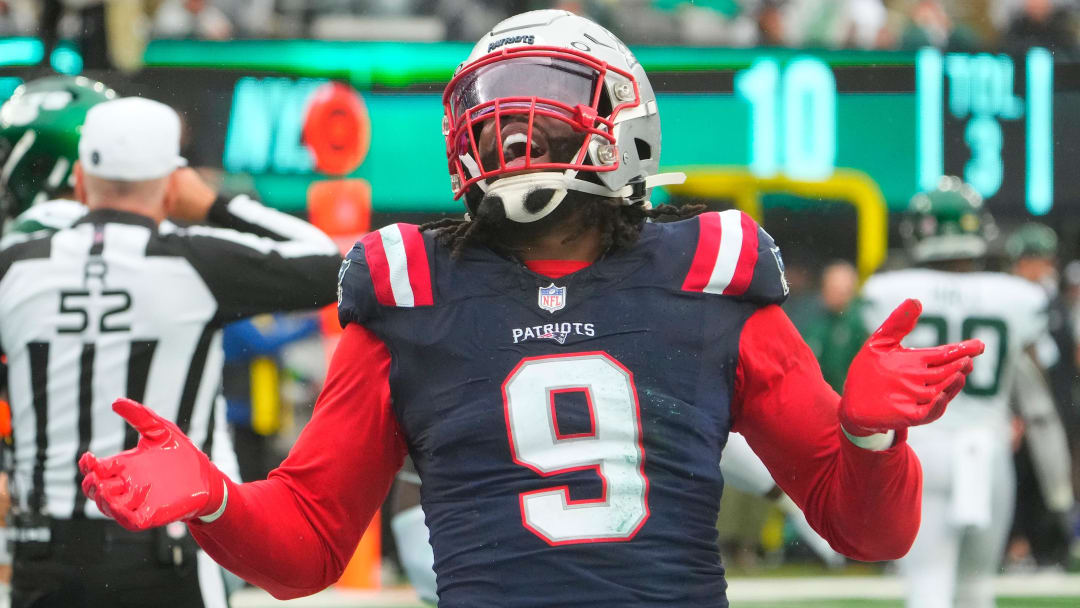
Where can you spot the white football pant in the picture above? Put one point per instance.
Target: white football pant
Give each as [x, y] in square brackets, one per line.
[968, 499]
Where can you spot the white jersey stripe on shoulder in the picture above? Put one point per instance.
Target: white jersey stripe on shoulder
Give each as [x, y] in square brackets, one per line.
[727, 258]
[394, 247]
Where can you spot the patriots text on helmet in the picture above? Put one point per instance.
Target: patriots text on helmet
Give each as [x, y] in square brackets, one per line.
[521, 39]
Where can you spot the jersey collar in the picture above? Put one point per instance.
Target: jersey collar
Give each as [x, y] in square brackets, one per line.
[555, 269]
[115, 216]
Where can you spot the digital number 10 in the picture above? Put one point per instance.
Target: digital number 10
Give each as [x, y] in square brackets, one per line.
[792, 117]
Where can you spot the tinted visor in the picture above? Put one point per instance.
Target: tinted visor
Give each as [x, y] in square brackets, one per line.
[559, 80]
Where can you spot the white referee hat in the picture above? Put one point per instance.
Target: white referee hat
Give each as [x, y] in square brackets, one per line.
[130, 139]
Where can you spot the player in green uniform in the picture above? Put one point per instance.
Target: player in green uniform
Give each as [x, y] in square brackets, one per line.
[39, 140]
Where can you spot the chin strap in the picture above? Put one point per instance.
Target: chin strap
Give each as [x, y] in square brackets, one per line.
[515, 189]
[660, 179]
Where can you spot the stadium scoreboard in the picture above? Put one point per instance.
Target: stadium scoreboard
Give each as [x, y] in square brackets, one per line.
[1007, 124]
[973, 118]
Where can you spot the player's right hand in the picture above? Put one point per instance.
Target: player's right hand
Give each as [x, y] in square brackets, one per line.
[163, 479]
[889, 387]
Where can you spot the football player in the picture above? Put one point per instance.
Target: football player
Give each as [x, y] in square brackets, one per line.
[968, 483]
[1043, 461]
[39, 143]
[562, 371]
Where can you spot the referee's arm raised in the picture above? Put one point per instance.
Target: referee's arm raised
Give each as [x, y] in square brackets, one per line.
[253, 259]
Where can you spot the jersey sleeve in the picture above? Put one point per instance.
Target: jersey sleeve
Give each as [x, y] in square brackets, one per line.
[1030, 316]
[255, 259]
[733, 256]
[866, 503]
[293, 533]
[388, 268]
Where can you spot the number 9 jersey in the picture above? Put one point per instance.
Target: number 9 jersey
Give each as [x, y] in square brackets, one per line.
[587, 410]
[1006, 312]
[568, 430]
[567, 424]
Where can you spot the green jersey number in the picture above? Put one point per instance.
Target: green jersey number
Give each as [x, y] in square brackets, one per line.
[993, 332]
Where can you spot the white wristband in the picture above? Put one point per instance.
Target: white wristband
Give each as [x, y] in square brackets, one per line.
[877, 442]
[220, 510]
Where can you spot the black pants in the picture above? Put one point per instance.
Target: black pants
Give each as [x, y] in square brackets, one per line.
[92, 564]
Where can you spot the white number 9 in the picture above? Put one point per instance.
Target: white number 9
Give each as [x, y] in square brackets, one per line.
[612, 448]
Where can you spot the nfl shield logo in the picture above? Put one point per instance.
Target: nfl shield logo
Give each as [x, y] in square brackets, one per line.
[552, 298]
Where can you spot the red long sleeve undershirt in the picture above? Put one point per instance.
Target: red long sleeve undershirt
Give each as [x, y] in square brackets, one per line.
[866, 504]
[293, 533]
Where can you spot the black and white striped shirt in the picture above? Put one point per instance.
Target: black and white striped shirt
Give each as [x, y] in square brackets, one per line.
[116, 306]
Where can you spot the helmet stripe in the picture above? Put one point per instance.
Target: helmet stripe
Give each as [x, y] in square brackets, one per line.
[18, 151]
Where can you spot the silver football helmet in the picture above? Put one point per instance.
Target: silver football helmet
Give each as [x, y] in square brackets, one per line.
[548, 102]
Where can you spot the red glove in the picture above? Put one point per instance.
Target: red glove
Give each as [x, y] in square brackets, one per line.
[891, 387]
[163, 479]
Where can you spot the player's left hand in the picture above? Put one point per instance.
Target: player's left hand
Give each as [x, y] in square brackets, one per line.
[890, 387]
[163, 479]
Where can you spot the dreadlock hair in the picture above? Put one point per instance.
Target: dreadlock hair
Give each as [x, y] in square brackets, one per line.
[619, 224]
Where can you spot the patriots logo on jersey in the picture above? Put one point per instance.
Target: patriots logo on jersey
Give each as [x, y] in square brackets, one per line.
[558, 336]
[551, 298]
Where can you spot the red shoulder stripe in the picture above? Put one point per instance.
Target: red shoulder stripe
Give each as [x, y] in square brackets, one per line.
[375, 255]
[708, 246]
[744, 268]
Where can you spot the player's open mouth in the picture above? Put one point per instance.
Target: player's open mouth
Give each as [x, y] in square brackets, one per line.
[517, 147]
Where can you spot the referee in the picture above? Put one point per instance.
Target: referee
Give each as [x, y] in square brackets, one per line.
[124, 303]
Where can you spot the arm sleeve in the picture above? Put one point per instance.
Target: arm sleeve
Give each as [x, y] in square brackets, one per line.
[293, 533]
[256, 260]
[1033, 319]
[866, 504]
[251, 341]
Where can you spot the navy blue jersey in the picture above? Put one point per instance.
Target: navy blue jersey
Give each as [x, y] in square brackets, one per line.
[568, 432]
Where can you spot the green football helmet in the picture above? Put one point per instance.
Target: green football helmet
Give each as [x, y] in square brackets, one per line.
[39, 138]
[1033, 240]
[947, 223]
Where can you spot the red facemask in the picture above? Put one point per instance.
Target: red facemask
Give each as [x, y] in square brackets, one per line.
[501, 87]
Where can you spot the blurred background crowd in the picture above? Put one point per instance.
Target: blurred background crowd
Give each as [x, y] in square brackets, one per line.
[114, 32]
